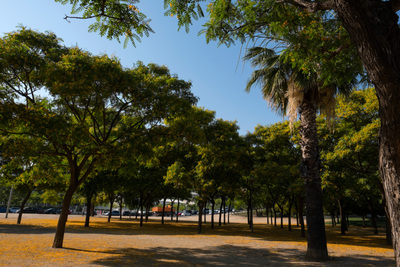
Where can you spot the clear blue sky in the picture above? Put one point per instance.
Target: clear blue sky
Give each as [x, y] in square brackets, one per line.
[217, 73]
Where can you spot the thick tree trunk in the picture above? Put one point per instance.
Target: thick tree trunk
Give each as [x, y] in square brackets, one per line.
[62, 220]
[316, 236]
[373, 28]
[21, 208]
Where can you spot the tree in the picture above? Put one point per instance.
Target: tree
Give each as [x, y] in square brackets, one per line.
[284, 85]
[373, 29]
[93, 103]
[350, 153]
[115, 19]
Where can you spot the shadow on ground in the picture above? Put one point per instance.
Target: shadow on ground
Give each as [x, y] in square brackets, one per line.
[227, 255]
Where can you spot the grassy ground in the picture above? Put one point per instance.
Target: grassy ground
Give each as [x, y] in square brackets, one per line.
[124, 243]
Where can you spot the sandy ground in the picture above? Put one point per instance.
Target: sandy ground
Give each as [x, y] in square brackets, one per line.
[125, 243]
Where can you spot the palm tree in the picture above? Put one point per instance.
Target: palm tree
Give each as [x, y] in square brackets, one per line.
[288, 90]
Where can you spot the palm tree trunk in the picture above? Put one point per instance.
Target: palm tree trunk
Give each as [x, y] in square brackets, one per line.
[316, 236]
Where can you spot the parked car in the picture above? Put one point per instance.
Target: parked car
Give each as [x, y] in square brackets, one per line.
[13, 210]
[113, 213]
[52, 211]
[3, 209]
[127, 213]
[186, 213]
[194, 212]
[32, 210]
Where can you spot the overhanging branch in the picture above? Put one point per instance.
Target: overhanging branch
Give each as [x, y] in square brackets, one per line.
[395, 5]
[310, 6]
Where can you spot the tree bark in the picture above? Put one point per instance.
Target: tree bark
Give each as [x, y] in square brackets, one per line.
[200, 221]
[220, 213]
[373, 28]
[163, 211]
[21, 208]
[88, 210]
[177, 209]
[316, 236]
[111, 199]
[212, 212]
[62, 220]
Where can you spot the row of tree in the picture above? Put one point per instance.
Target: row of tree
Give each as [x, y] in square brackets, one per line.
[322, 50]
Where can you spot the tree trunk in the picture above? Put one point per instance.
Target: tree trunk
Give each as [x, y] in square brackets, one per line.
[316, 236]
[88, 210]
[212, 213]
[62, 220]
[205, 214]
[224, 210]
[141, 209]
[229, 208]
[301, 217]
[92, 209]
[281, 209]
[373, 217]
[343, 224]
[163, 211]
[290, 214]
[200, 221]
[121, 205]
[373, 28]
[111, 206]
[177, 210]
[220, 213]
[172, 211]
[388, 225]
[273, 208]
[21, 208]
[267, 213]
[147, 213]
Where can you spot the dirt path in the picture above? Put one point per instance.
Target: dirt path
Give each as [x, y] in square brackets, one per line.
[124, 243]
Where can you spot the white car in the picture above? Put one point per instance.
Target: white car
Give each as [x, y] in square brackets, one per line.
[186, 213]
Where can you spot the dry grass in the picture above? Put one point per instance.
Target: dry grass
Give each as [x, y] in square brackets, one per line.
[124, 243]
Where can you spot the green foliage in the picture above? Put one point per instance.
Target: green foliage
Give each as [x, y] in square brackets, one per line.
[350, 153]
[114, 19]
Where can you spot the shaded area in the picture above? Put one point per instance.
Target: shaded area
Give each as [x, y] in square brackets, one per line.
[227, 255]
